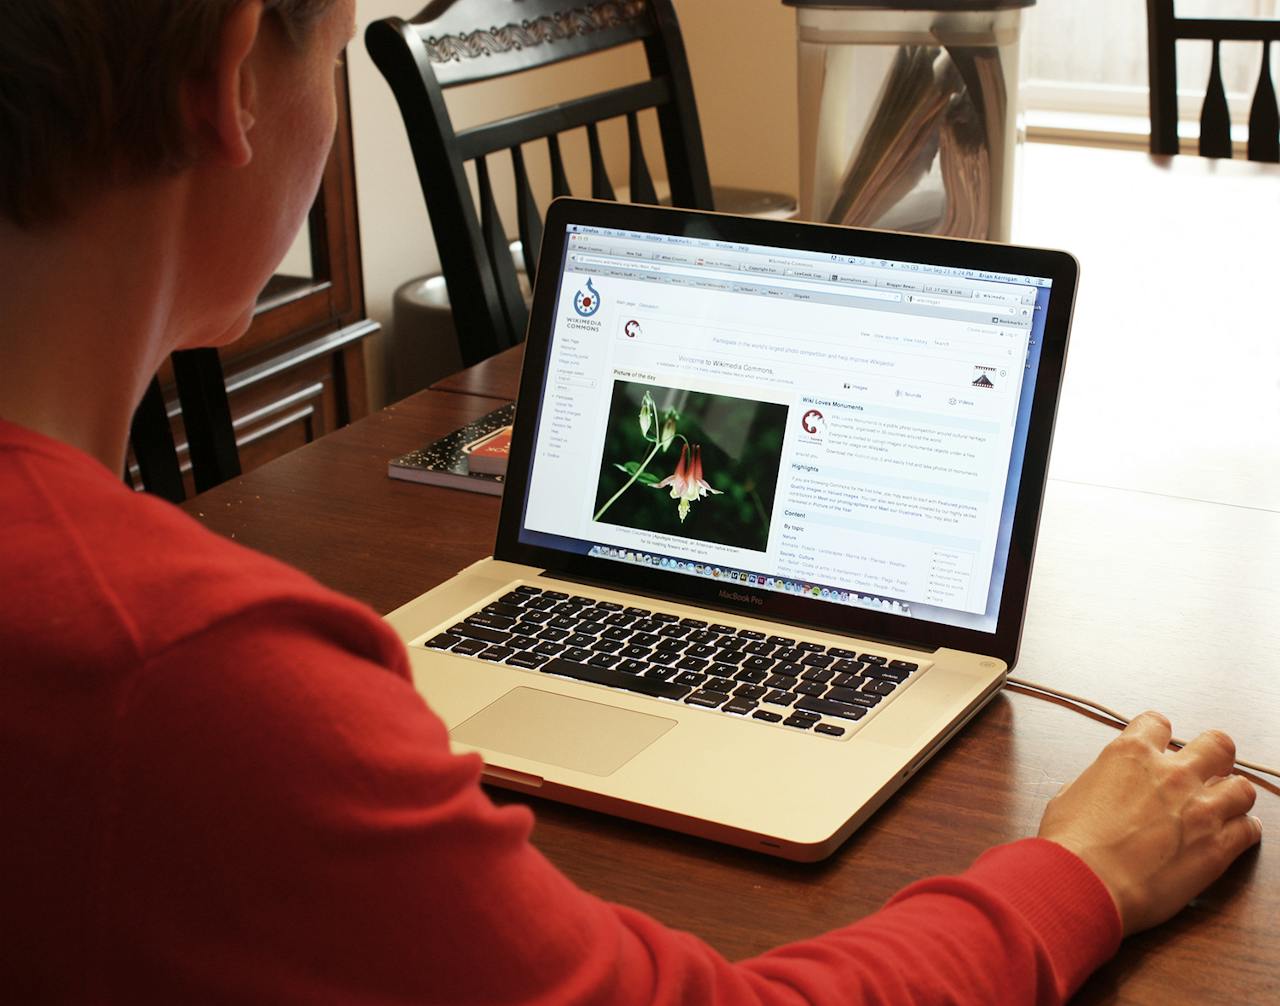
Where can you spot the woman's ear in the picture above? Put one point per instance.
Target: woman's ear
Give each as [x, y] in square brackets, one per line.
[222, 101]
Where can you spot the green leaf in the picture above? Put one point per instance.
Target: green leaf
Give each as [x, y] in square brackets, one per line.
[644, 478]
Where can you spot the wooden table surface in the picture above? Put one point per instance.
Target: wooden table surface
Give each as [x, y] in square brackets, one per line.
[1156, 583]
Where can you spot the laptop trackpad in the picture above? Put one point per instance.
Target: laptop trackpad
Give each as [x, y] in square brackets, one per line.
[571, 733]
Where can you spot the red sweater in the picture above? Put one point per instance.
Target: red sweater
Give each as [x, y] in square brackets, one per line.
[218, 785]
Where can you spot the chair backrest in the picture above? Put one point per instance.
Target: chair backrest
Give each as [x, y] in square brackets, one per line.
[1164, 30]
[452, 42]
[206, 418]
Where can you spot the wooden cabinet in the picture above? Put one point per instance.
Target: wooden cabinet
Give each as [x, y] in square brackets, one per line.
[299, 371]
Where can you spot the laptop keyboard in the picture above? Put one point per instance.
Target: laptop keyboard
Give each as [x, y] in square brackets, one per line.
[711, 665]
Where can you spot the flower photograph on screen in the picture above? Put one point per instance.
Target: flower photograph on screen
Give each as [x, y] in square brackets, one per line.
[691, 464]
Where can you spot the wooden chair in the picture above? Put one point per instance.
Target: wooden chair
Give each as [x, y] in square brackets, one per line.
[452, 42]
[1164, 30]
[206, 418]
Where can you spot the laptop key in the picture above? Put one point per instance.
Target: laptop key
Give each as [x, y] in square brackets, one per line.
[751, 676]
[781, 641]
[634, 652]
[664, 656]
[877, 686]
[644, 638]
[710, 700]
[693, 678]
[526, 588]
[577, 653]
[591, 628]
[750, 634]
[819, 674]
[829, 708]
[469, 647]
[837, 651]
[886, 674]
[615, 678]
[579, 639]
[496, 653]
[811, 647]
[638, 612]
[553, 634]
[701, 636]
[853, 698]
[720, 684]
[602, 660]
[699, 650]
[619, 618]
[873, 658]
[631, 666]
[480, 632]
[752, 692]
[540, 603]
[798, 721]
[530, 660]
[490, 621]
[499, 608]
[810, 688]
[766, 715]
[513, 597]
[846, 681]
[692, 664]
[904, 665]
[671, 645]
[549, 649]
[817, 660]
[739, 706]
[847, 666]
[647, 625]
[783, 681]
[536, 616]
[442, 642]
[722, 629]
[778, 697]
[522, 642]
[662, 616]
[761, 648]
[829, 729]
[693, 623]
[563, 622]
[616, 633]
[789, 654]
[758, 663]
[606, 646]
[609, 605]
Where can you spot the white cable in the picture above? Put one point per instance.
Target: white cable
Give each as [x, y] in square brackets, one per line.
[1123, 720]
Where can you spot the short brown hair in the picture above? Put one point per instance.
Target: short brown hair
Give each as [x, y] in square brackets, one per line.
[89, 91]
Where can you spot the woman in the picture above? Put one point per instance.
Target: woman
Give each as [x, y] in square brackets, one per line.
[217, 780]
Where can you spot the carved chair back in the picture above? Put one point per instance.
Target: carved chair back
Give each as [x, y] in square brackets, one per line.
[453, 42]
[1164, 31]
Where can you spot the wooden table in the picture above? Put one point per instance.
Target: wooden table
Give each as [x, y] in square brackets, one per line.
[1157, 582]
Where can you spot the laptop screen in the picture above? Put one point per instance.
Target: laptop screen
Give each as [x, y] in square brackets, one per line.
[774, 420]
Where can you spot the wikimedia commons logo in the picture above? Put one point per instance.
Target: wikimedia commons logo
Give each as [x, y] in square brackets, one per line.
[587, 302]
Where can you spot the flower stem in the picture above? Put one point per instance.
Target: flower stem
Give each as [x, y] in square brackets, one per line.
[614, 498]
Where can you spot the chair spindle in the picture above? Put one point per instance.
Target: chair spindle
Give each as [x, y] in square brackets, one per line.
[1264, 119]
[528, 219]
[642, 190]
[499, 252]
[1215, 120]
[559, 180]
[601, 187]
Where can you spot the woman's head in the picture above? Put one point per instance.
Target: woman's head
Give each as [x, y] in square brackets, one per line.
[94, 92]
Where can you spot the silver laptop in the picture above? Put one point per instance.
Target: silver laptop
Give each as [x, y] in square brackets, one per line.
[768, 522]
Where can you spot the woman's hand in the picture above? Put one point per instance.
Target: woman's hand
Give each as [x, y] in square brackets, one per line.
[1156, 826]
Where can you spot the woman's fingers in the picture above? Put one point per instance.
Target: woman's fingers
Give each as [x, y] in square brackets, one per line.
[1212, 753]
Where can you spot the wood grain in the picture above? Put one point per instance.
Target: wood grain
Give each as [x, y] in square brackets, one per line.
[1143, 596]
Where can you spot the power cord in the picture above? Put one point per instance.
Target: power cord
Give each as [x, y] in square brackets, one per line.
[1114, 718]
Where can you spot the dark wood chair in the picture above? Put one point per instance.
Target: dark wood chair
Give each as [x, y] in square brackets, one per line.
[206, 419]
[1164, 31]
[453, 42]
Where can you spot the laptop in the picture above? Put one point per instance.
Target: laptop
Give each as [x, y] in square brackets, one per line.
[768, 523]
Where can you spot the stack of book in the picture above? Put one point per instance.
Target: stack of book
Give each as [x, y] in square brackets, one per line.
[472, 458]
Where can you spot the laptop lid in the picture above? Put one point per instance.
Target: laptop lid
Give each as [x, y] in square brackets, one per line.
[827, 426]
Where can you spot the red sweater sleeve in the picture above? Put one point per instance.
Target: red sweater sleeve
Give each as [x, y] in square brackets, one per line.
[287, 825]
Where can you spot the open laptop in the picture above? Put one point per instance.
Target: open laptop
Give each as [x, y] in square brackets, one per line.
[768, 523]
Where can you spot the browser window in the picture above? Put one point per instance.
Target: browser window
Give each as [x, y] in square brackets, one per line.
[846, 428]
